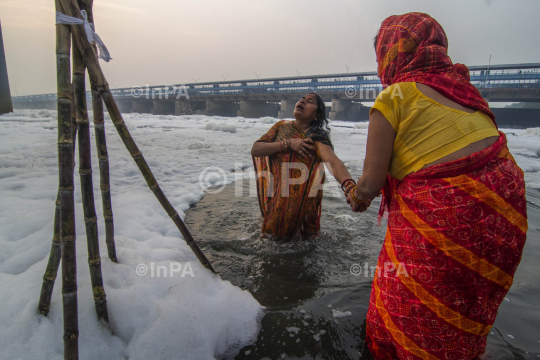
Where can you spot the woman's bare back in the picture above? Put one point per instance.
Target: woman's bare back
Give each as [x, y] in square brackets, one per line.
[467, 150]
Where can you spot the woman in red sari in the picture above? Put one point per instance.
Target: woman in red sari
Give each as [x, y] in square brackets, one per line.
[288, 161]
[454, 195]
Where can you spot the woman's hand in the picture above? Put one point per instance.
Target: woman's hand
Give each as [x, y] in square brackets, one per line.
[304, 147]
[356, 206]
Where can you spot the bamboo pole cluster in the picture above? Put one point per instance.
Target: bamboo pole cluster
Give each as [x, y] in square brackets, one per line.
[73, 122]
[98, 78]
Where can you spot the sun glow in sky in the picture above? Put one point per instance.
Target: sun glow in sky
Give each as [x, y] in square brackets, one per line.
[171, 41]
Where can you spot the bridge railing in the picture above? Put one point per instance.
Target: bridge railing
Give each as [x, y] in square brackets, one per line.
[503, 76]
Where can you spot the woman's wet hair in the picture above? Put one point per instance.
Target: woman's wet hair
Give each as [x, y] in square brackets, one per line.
[319, 130]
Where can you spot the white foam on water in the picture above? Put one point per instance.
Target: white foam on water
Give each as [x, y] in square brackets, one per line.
[150, 317]
[293, 329]
[336, 314]
[268, 120]
[220, 127]
[525, 147]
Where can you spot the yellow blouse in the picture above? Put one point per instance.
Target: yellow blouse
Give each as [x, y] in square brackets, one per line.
[425, 129]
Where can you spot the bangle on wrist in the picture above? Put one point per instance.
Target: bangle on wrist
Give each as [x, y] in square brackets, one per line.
[348, 189]
[355, 199]
[345, 181]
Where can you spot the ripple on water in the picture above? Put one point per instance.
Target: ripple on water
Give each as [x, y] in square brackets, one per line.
[289, 277]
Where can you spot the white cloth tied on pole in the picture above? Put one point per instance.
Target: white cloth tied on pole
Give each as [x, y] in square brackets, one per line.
[89, 29]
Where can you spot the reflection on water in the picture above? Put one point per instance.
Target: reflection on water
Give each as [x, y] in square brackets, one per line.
[302, 283]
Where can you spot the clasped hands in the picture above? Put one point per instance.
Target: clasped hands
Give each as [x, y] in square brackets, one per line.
[357, 205]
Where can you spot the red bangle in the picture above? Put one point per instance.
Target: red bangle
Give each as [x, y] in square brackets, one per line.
[344, 181]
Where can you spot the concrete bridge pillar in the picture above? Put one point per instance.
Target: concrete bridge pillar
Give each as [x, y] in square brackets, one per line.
[143, 106]
[161, 107]
[6, 105]
[125, 106]
[221, 108]
[348, 111]
[182, 107]
[287, 109]
[257, 109]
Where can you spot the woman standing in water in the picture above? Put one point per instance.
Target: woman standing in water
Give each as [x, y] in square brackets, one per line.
[455, 197]
[288, 161]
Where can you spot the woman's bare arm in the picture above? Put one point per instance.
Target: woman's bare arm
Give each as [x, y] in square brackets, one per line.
[336, 167]
[379, 148]
[262, 149]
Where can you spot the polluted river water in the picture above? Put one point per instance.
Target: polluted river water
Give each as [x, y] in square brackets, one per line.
[316, 293]
[314, 307]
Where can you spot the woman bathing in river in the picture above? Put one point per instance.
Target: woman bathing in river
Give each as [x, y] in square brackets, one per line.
[455, 196]
[288, 161]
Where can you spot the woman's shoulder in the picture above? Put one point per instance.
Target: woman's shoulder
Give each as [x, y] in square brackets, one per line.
[281, 122]
[398, 93]
[408, 87]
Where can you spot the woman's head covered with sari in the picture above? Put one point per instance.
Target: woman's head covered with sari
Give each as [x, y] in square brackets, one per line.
[413, 48]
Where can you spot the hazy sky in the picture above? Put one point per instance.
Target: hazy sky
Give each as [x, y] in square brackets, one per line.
[175, 41]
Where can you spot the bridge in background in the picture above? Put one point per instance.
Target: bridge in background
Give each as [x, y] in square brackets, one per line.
[276, 97]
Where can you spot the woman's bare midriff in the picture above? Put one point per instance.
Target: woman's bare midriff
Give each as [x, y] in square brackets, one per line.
[466, 151]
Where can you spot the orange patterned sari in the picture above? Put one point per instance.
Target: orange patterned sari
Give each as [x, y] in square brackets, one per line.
[289, 188]
[455, 236]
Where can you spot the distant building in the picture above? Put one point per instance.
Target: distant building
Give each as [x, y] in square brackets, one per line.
[5, 95]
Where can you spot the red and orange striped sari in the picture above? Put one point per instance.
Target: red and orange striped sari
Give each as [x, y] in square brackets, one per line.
[289, 188]
[455, 236]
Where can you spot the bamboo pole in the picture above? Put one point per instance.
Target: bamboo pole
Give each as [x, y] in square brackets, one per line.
[65, 191]
[73, 118]
[87, 190]
[103, 156]
[105, 184]
[52, 266]
[55, 255]
[96, 75]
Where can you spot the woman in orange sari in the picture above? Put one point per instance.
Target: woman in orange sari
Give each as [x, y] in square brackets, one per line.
[288, 161]
[454, 195]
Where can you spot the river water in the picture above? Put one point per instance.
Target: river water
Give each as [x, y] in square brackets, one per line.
[315, 303]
